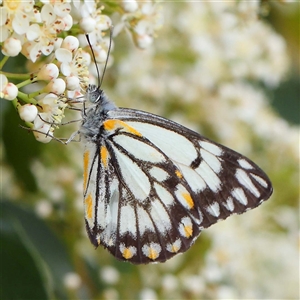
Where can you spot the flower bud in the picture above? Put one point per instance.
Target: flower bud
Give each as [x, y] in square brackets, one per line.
[56, 86]
[48, 72]
[87, 24]
[144, 41]
[11, 47]
[9, 91]
[44, 135]
[72, 83]
[28, 112]
[70, 42]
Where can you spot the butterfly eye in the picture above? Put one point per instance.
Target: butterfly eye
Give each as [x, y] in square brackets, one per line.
[93, 93]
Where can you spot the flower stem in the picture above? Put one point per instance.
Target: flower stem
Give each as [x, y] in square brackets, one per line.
[26, 98]
[14, 76]
[3, 61]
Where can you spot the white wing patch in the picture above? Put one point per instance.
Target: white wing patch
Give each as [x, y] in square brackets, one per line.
[260, 180]
[195, 181]
[245, 181]
[228, 204]
[139, 149]
[159, 174]
[240, 196]
[160, 217]
[244, 164]
[209, 176]
[210, 147]
[134, 177]
[127, 221]
[165, 196]
[168, 142]
[174, 247]
[214, 209]
[146, 224]
[212, 161]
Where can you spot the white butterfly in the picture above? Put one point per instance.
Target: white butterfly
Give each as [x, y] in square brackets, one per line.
[151, 185]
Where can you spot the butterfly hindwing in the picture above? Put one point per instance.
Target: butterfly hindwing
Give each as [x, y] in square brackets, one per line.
[152, 185]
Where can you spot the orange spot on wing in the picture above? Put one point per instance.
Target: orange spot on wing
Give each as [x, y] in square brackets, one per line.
[152, 253]
[104, 156]
[117, 124]
[89, 207]
[174, 248]
[188, 229]
[86, 158]
[127, 253]
[98, 240]
[178, 174]
[188, 199]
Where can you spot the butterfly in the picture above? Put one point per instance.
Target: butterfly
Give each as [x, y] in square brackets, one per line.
[151, 185]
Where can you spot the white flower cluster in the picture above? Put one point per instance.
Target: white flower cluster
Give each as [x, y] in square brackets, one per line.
[56, 30]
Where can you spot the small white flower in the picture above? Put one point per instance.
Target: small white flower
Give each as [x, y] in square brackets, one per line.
[70, 43]
[61, 8]
[110, 275]
[8, 90]
[56, 86]
[15, 17]
[48, 72]
[43, 134]
[28, 112]
[43, 37]
[88, 24]
[103, 23]
[143, 21]
[144, 41]
[72, 82]
[100, 53]
[51, 112]
[169, 282]
[43, 208]
[130, 5]
[193, 284]
[72, 280]
[74, 67]
[11, 47]
[148, 294]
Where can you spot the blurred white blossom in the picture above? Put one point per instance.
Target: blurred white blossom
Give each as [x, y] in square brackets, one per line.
[72, 280]
[110, 275]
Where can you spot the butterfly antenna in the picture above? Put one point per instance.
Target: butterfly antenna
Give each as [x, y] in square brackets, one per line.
[108, 52]
[93, 54]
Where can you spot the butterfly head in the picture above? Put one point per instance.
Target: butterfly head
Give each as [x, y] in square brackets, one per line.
[95, 96]
[93, 93]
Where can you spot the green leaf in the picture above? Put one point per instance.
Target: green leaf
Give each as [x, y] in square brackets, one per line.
[34, 262]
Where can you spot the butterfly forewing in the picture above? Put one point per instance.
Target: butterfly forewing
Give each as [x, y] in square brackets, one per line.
[151, 186]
